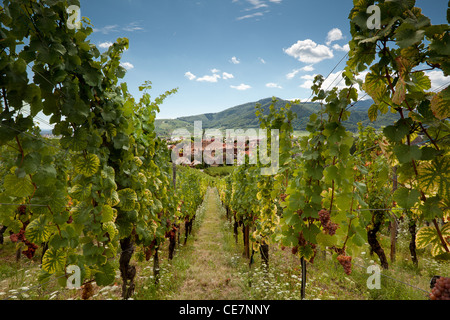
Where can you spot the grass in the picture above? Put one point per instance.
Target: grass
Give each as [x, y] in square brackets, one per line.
[219, 171]
[300, 133]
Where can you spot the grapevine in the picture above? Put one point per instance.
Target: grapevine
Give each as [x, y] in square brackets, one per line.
[108, 168]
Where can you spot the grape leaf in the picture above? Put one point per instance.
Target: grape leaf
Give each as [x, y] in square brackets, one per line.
[106, 275]
[54, 260]
[86, 165]
[428, 236]
[406, 198]
[38, 231]
[18, 187]
[407, 153]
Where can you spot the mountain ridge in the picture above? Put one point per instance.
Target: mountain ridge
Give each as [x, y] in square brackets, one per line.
[243, 117]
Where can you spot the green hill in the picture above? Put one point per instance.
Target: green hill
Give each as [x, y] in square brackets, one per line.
[243, 117]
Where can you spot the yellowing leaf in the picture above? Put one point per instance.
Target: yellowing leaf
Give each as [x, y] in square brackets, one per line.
[86, 165]
[113, 200]
[18, 187]
[429, 236]
[81, 192]
[38, 231]
[128, 199]
[400, 92]
[440, 107]
[54, 260]
[108, 214]
[110, 227]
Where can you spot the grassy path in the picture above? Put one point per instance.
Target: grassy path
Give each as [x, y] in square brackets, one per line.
[210, 275]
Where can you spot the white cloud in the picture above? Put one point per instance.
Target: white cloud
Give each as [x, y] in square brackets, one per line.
[345, 48]
[235, 60]
[213, 78]
[308, 76]
[105, 45]
[334, 81]
[127, 65]
[334, 35]
[256, 5]
[133, 26]
[207, 78]
[241, 87]
[437, 79]
[308, 51]
[227, 75]
[248, 16]
[262, 60]
[307, 84]
[190, 75]
[307, 68]
[273, 85]
[107, 29]
[291, 75]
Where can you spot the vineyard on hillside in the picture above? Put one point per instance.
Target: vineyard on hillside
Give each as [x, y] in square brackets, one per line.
[105, 198]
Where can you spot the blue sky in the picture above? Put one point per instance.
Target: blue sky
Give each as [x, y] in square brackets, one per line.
[222, 53]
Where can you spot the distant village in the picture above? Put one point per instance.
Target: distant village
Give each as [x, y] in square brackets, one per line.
[208, 148]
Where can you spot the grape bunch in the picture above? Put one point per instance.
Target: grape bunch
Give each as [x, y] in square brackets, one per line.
[325, 219]
[20, 237]
[346, 262]
[31, 250]
[22, 210]
[301, 243]
[87, 292]
[441, 290]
